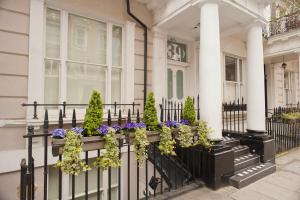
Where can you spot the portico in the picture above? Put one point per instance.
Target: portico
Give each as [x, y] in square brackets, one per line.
[215, 32]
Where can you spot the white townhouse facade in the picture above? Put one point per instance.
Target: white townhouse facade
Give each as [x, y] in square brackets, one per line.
[59, 50]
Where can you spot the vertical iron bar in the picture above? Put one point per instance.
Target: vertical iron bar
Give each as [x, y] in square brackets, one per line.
[64, 109]
[128, 167]
[115, 109]
[46, 126]
[109, 183]
[35, 110]
[29, 169]
[60, 180]
[86, 177]
[98, 177]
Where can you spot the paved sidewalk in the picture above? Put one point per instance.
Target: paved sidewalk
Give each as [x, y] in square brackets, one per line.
[284, 184]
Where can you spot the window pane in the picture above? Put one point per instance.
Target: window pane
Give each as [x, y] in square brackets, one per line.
[51, 81]
[170, 84]
[82, 79]
[179, 84]
[87, 40]
[116, 46]
[53, 33]
[116, 86]
[231, 68]
[231, 92]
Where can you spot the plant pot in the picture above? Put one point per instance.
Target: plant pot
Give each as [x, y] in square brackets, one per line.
[89, 144]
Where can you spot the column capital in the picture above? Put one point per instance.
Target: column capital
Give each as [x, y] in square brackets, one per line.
[204, 2]
[256, 22]
[158, 33]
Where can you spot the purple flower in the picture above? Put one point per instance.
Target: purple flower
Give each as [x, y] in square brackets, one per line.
[77, 130]
[184, 122]
[172, 124]
[116, 127]
[130, 126]
[103, 129]
[141, 125]
[58, 133]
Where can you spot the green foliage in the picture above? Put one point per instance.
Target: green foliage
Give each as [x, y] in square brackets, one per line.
[166, 143]
[150, 113]
[140, 143]
[185, 136]
[94, 115]
[291, 116]
[189, 113]
[203, 130]
[71, 163]
[285, 7]
[111, 157]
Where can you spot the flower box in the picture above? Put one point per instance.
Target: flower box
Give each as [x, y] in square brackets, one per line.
[98, 142]
[89, 144]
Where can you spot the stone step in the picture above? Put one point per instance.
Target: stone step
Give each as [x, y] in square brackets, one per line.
[231, 141]
[240, 150]
[244, 161]
[251, 174]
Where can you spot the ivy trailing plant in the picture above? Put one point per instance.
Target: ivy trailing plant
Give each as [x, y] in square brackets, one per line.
[203, 130]
[72, 163]
[189, 113]
[184, 136]
[166, 143]
[94, 115]
[140, 140]
[111, 157]
[150, 113]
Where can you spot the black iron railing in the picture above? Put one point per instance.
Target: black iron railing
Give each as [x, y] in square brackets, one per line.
[162, 173]
[283, 24]
[234, 116]
[173, 110]
[278, 111]
[64, 105]
[286, 133]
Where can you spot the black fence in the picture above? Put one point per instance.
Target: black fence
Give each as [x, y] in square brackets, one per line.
[162, 174]
[173, 110]
[283, 24]
[234, 116]
[286, 133]
[278, 111]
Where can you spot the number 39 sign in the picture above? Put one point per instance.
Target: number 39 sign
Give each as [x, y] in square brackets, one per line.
[176, 51]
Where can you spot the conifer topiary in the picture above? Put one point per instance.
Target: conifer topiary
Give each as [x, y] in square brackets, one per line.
[94, 115]
[189, 113]
[150, 113]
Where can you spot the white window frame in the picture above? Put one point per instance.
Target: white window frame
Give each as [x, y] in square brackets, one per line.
[37, 45]
[239, 84]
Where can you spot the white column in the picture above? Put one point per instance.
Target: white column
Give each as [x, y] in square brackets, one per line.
[159, 76]
[255, 77]
[210, 69]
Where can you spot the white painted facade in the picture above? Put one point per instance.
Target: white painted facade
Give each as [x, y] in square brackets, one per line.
[227, 29]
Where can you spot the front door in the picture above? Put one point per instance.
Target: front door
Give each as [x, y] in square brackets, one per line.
[176, 76]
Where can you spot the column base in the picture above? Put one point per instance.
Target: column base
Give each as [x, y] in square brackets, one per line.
[220, 162]
[260, 143]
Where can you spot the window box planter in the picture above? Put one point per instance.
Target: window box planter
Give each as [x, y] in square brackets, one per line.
[97, 142]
